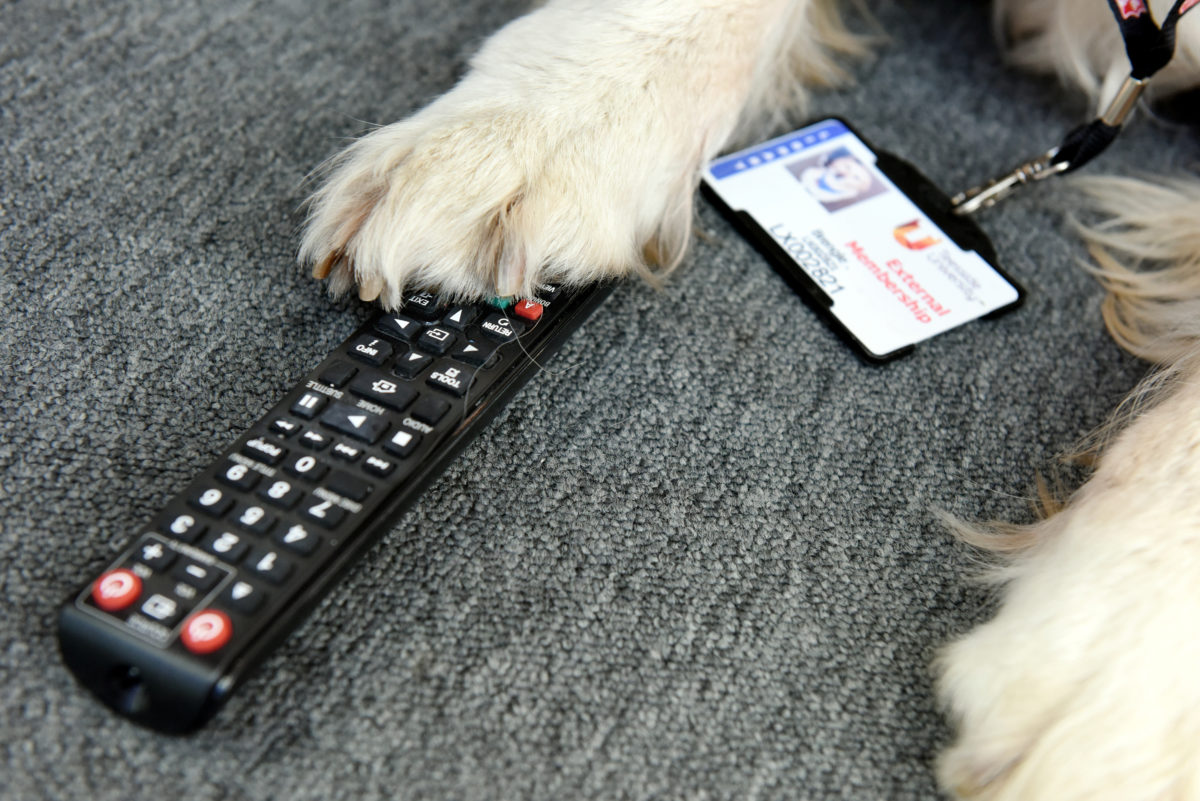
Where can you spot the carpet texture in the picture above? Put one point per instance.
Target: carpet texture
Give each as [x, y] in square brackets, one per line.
[697, 558]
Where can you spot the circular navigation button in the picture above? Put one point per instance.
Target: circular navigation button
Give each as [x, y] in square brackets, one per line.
[116, 590]
[207, 631]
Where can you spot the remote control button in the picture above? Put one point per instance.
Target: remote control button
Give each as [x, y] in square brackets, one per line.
[238, 475]
[348, 486]
[475, 353]
[402, 443]
[384, 392]
[264, 450]
[307, 467]
[284, 427]
[268, 564]
[243, 597]
[206, 632]
[254, 519]
[116, 589]
[436, 340]
[202, 577]
[398, 326]
[298, 538]
[281, 493]
[161, 608]
[454, 380]
[211, 500]
[546, 293]
[423, 306]
[314, 440]
[379, 467]
[225, 545]
[371, 350]
[354, 421]
[411, 364]
[185, 528]
[460, 317]
[430, 409]
[155, 556]
[309, 404]
[349, 453]
[337, 375]
[500, 327]
[324, 512]
[528, 310]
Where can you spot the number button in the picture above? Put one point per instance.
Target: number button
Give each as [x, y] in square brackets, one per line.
[268, 564]
[184, 528]
[211, 500]
[298, 538]
[324, 512]
[254, 519]
[280, 493]
[238, 475]
[306, 467]
[225, 545]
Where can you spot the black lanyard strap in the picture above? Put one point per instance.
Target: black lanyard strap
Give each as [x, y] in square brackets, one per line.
[1150, 47]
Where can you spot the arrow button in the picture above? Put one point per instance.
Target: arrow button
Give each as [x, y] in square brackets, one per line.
[354, 421]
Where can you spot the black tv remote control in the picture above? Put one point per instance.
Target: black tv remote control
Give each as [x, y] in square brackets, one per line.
[236, 561]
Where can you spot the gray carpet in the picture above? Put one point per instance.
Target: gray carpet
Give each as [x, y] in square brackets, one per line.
[697, 558]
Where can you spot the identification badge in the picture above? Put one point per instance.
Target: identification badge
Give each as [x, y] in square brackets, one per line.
[871, 243]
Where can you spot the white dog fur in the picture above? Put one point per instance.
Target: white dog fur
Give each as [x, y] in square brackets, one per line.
[583, 125]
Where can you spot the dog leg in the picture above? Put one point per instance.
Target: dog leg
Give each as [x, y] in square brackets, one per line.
[1084, 685]
[569, 152]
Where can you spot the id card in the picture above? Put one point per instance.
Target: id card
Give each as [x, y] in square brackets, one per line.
[870, 242]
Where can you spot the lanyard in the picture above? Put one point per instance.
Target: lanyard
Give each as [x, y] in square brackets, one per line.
[1150, 47]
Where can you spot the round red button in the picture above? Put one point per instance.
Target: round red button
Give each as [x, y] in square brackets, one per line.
[207, 631]
[116, 590]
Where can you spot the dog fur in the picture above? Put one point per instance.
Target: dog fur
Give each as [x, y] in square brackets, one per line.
[583, 126]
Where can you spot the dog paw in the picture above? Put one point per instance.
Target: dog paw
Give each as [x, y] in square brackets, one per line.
[569, 152]
[1084, 684]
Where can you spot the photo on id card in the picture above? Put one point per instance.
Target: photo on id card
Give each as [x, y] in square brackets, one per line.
[866, 238]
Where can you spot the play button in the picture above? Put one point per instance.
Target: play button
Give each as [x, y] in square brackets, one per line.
[354, 421]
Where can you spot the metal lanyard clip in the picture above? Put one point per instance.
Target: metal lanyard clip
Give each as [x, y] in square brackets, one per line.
[982, 197]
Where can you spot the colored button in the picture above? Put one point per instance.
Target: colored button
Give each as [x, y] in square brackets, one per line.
[528, 310]
[116, 590]
[207, 631]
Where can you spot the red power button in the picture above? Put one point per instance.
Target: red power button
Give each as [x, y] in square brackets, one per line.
[116, 590]
[207, 631]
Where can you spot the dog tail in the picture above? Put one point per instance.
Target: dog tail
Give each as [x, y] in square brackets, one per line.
[1146, 254]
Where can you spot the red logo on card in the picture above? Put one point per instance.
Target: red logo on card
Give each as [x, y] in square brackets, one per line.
[1134, 8]
[909, 236]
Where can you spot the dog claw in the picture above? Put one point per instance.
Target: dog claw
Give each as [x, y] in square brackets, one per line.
[370, 288]
[321, 269]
